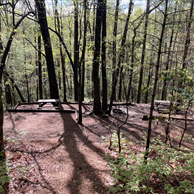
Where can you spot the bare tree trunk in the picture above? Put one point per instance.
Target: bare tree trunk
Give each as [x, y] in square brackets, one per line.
[149, 78]
[8, 97]
[114, 59]
[76, 50]
[143, 53]
[2, 157]
[95, 71]
[187, 41]
[40, 69]
[120, 84]
[121, 54]
[168, 57]
[80, 64]
[63, 74]
[155, 81]
[132, 57]
[40, 4]
[186, 114]
[104, 78]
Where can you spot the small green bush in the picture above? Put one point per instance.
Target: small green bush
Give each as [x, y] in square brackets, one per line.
[173, 168]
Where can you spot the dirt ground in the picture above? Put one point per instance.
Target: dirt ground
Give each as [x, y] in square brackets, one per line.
[69, 158]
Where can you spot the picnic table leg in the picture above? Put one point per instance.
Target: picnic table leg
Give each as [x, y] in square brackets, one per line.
[41, 105]
[55, 104]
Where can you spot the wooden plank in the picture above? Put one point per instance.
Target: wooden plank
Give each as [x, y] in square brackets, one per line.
[164, 102]
[48, 100]
[48, 107]
[16, 105]
[40, 110]
[146, 118]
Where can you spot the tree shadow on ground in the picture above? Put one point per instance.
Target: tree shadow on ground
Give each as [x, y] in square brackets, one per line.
[73, 137]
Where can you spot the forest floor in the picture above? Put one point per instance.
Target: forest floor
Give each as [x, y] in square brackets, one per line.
[59, 156]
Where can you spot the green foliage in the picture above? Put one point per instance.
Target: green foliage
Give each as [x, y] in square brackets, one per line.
[4, 170]
[17, 138]
[176, 78]
[4, 165]
[172, 167]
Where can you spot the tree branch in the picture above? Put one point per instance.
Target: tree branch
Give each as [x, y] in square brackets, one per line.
[35, 47]
[4, 57]
[65, 47]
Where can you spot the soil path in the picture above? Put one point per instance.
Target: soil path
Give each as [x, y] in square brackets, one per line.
[71, 157]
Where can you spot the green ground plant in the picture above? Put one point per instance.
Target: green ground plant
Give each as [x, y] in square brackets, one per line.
[5, 178]
[171, 168]
[4, 171]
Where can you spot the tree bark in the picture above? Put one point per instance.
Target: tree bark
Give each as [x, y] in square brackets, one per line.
[187, 41]
[114, 59]
[95, 72]
[104, 78]
[40, 4]
[39, 69]
[76, 50]
[143, 53]
[155, 81]
[81, 64]
[132, 58]
[121, 54]
[168, 57]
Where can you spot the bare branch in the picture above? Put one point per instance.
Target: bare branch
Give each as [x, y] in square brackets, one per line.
[35, 47]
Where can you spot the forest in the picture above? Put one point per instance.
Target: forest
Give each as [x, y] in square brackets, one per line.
[104, 55]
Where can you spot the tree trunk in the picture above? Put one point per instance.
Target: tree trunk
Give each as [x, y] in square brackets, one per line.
[114, 59]
[132, 58]
[82, 63]
[95, 78]
[104, 78]
[120, 84]
[149, 78]
[187, 41]
[155, 81]
[8, 97]
[168, 57]
[121, 54]
[143, 53]
[76, 50]
[40, 4]
[186, 115]
[40, 69]
[1, 106]
[27, 87]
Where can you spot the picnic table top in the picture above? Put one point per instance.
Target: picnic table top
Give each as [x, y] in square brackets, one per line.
[48, 100]
[164, 102]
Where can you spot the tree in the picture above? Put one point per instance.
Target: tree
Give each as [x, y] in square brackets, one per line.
[40, 4]
[121, 54]
[114, 48]
[187, 41]
[104, 78]
[143, 52]
[96, 60]
[155, 80]
[81, 64]
[76, 50]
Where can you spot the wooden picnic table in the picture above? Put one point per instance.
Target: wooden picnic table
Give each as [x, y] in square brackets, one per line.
[164, 104]
[54, 102]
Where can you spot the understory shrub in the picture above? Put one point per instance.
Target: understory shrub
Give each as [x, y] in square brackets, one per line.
[167, 168]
